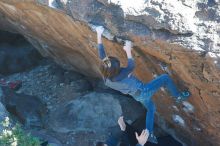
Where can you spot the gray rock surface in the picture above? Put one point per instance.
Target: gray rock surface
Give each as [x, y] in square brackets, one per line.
[95, 111]
[3, 115]
[49, 81]
[192, 24]
[86, 113]
[16, 54]
[29, 110]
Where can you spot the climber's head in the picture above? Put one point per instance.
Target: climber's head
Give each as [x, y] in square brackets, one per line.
[110, 66]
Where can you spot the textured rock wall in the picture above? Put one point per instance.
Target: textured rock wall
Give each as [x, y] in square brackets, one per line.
[72, 43]
[193, 24]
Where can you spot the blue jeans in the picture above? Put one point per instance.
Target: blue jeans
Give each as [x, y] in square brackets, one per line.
[148, 90]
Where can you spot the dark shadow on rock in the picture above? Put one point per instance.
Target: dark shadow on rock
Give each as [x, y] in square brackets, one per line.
[29, 110]
[166, 141]
[46, 138]
[76, 80]
[16, 54]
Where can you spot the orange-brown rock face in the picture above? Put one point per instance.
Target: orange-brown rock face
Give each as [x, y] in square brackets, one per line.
[72, 44]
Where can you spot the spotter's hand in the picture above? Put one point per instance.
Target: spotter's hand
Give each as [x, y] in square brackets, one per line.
[142, 139]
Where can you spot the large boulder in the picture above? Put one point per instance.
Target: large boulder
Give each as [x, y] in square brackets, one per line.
[71, 43]
[75, 110]
[93, 116]
[93, 112]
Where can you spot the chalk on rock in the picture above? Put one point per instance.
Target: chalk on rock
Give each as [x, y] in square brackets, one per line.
[175, 108]
[187, 107]
[106, 33]
[179, 120]
[52, 3]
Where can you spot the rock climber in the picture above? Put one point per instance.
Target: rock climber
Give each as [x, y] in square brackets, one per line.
[122, 79]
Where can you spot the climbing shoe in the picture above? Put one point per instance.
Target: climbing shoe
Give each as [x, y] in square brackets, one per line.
[184, 95]
[152, 138]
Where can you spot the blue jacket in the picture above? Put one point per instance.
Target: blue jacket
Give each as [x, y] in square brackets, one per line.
[124, 72]
[124, 82]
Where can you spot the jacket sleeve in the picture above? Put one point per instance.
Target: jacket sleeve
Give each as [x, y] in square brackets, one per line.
[124, 72]
[101, 51]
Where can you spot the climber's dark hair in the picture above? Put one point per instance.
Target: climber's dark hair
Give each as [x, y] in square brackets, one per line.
[110, 67]
[100, 143]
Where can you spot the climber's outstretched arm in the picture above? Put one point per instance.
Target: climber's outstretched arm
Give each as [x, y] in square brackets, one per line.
[124, 72]
[128, 47]
[101, 48]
